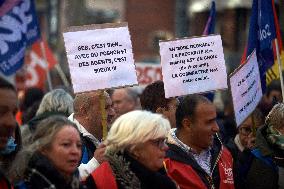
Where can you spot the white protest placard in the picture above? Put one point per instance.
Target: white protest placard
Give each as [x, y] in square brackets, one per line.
[193, 65]
[100, 56]
[246, 88]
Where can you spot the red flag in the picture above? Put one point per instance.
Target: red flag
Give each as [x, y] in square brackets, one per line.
[6, 6]
[273, 72]
[36, 67]
[277, 28]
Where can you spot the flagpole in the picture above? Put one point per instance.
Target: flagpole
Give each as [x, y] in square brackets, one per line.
[46, 63]
[62, 75]
[279, 67]
[103, 112]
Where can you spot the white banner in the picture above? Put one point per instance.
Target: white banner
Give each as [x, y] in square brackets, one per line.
[246, 89]
[100, 57]
[193, 65]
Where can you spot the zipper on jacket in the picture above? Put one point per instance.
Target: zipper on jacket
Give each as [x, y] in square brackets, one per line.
[209, 177]
[210, 180]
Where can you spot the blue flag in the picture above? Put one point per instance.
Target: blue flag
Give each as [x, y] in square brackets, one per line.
[18, 29]
[210, 25]
[261, 36]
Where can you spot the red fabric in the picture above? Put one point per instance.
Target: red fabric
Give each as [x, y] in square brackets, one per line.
[277, 30]
[3, 184]
[36, 66]
[183, 175]
[19, 117]
[186, 177]
[225, 165]
[244, 56]
[104, 177]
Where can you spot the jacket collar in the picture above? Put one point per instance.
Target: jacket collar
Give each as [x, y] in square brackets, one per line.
[175, 152]
[83, 131]
[238, 143]
[40, 167]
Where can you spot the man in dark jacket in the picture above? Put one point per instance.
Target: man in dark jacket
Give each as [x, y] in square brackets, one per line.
[88, 118]
[196, 157]
[8, 109]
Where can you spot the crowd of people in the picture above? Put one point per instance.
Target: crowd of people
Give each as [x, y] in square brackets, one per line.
[56, 140]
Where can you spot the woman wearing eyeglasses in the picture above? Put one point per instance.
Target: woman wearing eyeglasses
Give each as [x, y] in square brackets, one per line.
[241, 145]
[135, 152]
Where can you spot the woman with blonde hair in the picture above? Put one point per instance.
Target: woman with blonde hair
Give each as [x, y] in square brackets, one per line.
[52, 157]
[136, 147]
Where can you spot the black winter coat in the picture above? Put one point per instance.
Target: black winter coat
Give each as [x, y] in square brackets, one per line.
[242, 164]
[147, 179]
[42, 174]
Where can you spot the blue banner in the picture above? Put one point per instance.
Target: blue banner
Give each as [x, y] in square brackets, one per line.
[18, 29]
[261, 35]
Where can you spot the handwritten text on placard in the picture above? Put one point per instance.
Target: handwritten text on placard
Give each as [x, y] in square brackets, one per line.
[246, 89]
[100, 58]
[193, 65]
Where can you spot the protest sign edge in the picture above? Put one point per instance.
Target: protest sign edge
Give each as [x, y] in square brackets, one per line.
[94, 27]
[191, 37]
[231, 95]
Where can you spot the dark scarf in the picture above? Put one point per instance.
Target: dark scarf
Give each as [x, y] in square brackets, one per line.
[42, 174]
[275, 138]
[131, 174]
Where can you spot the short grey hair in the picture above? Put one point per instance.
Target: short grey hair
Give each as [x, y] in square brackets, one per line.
[275, 118]
[132, 93]
[135, 128]
[57, 100]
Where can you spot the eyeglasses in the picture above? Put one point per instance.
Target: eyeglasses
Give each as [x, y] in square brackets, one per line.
[245, 130]
[160, 142]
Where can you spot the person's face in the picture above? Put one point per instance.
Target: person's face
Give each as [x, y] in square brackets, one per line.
[152, 153]
[95, 114]
[109, 109]
[65, 150]
[122, 103]
[170, 112]
[204, 126]
[8, 109]
[245, 131]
